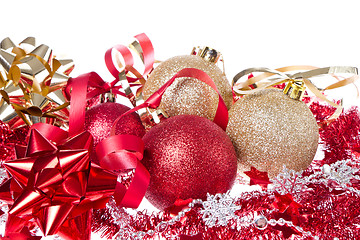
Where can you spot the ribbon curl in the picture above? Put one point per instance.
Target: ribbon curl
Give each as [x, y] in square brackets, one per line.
[123, 80]
[31, 82]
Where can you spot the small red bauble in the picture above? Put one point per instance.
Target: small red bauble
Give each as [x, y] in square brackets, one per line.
[100, 119]
[187, 157]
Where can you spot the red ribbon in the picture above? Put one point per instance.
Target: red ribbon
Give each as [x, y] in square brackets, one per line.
[116, 152]
[99, 86]
[124, 152]
[221, 115]
[147, 54]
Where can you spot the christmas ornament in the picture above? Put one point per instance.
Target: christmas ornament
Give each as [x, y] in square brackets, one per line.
[297, 82]
[187, 157]
[270, 130]
[100, 119]
[187, 95]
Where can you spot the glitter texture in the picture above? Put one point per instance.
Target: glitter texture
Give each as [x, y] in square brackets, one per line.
[100, 119]
[270, 130]
[187, 157]
[188, 95]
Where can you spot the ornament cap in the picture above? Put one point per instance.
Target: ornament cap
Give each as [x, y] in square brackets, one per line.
[295, 89]
[107, 97]
[207, 53]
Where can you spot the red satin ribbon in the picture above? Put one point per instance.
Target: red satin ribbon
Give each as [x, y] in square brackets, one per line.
[221, 115]
[130, 146]
[124, 152]
[99, 86]
[126, 54]
[147, 54]
[77, 105]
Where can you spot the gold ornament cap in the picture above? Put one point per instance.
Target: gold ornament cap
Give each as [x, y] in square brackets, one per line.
[295, 89]
[207, 53]
[107, 97]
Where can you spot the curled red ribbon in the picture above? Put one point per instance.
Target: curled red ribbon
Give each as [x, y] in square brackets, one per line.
[147, 56]
[124, 152]
[99, 86]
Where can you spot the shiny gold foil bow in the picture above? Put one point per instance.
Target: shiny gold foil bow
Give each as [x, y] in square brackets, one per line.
[31, 83]
[282, 75]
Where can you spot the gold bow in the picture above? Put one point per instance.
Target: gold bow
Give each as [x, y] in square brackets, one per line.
[31, 82]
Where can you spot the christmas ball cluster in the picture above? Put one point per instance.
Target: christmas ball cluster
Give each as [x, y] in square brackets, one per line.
[188, 155]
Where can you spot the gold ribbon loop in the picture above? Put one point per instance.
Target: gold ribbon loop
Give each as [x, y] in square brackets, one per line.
[31, 81]
[6, 59]
[6, 43]
[29, 41]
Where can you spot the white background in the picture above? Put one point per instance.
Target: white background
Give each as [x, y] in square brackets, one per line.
[248, 33]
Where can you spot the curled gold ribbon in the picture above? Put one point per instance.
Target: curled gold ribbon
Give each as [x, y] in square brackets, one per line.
[264, 81]
[31, 82]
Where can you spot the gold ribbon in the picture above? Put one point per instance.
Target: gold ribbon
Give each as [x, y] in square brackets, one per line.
[282, 75]
[31, 82]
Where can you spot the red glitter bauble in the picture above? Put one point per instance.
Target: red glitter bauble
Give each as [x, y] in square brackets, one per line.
[187, 157]
[100, 119]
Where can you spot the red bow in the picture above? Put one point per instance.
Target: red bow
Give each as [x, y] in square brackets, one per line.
[53, 179]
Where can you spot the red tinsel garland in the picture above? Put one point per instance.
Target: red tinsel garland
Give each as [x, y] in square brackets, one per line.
[324, 209]
[341, 137]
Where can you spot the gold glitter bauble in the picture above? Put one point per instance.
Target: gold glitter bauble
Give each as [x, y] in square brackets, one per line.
[270, 130]
[188, 95]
